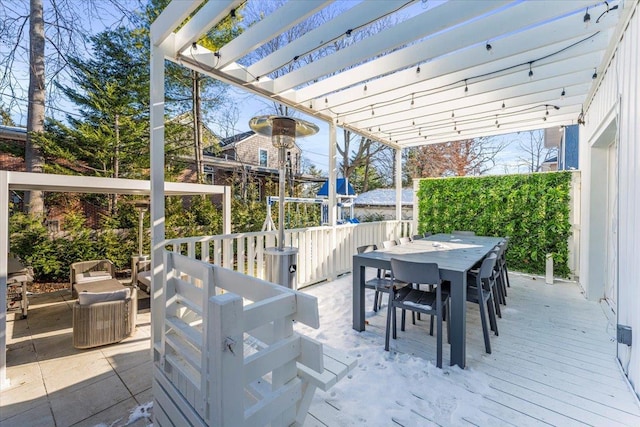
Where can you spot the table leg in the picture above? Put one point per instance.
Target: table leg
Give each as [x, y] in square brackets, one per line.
[457, 319]
[358, 296]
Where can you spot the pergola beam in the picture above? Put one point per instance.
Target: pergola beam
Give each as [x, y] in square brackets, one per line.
[355, 17]
[171, 18]
[211, 13]
[441, 45]
[422, 25]
[283, 18]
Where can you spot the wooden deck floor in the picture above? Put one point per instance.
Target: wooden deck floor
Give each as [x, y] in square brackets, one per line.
[553, 364]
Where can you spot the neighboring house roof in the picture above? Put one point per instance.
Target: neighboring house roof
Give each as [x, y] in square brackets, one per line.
[13, 132]
[236, 138]
[384, 197]
[340, 188]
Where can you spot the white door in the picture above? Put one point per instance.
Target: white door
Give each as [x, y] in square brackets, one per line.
[611, 273]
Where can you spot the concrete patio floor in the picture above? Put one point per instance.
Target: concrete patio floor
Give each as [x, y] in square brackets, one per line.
[54, 384]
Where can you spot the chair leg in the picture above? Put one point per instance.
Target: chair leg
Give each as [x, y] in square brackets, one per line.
[375, 301]
[502, 291]
[388, 330]
[431, 325]
[492, 315]
[404, 317]
[503, 279]
[439, 338]
[483, 319]
[506, 274]
[496, 300]
[446, 316]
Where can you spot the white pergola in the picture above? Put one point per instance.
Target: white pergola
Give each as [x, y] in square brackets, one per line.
[438, 70]
[23, 181]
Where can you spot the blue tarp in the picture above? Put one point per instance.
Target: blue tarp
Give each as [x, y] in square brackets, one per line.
[340, 189]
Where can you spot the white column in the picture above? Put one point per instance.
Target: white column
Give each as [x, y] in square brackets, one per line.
[4, 250]
[157, 191]
[333, 174]
[333, 202]
[226, 211]
[398, 184]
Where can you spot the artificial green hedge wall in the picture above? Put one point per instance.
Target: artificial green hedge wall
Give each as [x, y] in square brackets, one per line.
[533, 210]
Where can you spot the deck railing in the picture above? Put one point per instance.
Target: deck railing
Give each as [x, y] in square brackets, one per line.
[324, 253]
[228, 355]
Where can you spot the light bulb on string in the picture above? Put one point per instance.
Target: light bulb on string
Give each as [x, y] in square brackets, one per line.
[562, 94]
[586, 18]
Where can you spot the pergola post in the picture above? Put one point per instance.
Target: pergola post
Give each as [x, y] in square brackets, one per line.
[333, 200]
[4, 250]
[333, 174]
[157, 190]
[398, 168]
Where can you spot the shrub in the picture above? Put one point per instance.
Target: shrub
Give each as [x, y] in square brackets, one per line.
[533, 210]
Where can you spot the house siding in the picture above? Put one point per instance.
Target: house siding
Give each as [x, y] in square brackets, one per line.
[247, 151]
[614, 115]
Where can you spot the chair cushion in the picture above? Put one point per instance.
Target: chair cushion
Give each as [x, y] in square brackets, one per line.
[92, 276]
[88, 298]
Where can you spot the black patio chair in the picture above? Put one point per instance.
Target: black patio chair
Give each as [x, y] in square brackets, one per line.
[480, 290]
[432, 302]
[381, 283]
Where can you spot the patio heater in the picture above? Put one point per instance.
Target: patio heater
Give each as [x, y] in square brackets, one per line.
[141, 206]
[281, 261]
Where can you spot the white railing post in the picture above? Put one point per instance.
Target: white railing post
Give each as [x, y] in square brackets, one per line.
[226, 360]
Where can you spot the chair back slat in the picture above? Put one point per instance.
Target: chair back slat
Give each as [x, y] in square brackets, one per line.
[366, 248]
[415, 272]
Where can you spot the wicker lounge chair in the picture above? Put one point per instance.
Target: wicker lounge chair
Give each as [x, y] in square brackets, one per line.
[105, 311]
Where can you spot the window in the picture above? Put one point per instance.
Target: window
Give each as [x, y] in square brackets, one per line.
[263, 156]
[209, 178]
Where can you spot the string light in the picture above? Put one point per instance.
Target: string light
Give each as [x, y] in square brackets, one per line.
[488, 47]
[586, 18]
[503, 105]
[606, 11]
[348, 32]
[365, 88]
[412, 101]
[530, 70]
[595, 74]
[418, 70]
[372, 112]
[563, 93]
[452, 114]
[402, 99]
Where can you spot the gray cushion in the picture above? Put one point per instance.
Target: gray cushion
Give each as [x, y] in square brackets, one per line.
[92, 276]
[88, 298]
